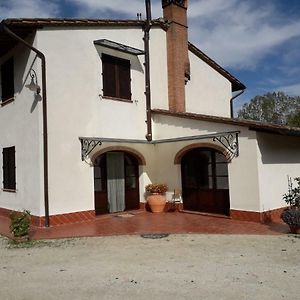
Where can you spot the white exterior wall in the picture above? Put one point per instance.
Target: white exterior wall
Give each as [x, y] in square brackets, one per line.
[278, 158]
[20, 126]
[208, 92]
[158, 69]
[74, 82]
[243, 170]
[74, 78]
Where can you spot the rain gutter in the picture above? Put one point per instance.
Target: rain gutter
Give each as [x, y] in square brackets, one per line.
[147, 70]
[231, 102]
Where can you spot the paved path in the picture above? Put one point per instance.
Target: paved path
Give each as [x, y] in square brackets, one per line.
[209, 267]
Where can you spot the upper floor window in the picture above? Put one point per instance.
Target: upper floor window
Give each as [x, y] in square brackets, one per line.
[7, 80]
[9, 169]
[116, 77]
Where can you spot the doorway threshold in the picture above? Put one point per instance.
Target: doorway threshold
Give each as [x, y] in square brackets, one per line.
[205, 214]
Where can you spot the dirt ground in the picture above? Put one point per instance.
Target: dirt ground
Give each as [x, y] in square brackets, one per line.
[131, 267]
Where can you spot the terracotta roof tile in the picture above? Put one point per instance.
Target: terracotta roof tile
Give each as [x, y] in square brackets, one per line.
[252, 125]
[39, 22]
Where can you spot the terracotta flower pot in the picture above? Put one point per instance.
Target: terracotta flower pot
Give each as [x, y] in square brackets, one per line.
[156, 202]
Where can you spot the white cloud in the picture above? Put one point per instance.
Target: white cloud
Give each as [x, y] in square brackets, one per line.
[28, 8]
[238, 34]
[292, 90]
[103, 8]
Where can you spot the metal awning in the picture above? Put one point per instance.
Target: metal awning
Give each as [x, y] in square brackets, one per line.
[117, 46]
[228, 139]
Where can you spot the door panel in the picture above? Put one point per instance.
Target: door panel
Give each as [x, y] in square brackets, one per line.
[131, 177]
[100, 185]
[132, 193]
[205, 181]
[115, 181]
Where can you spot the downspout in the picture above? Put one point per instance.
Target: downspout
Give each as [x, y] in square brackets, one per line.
[231, 102]
[45, 129]
[147, 70]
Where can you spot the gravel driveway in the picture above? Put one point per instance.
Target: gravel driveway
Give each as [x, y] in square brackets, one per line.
[175, 267]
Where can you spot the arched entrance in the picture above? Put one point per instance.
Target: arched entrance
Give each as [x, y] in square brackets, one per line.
[116, 182]
[205, 187]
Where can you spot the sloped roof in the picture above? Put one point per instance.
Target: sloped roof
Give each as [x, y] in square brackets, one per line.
[25, 26]
[55, 22]
[252, 125]
[236, 84]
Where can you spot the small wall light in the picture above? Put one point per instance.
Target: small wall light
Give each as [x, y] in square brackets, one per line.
[33, 86]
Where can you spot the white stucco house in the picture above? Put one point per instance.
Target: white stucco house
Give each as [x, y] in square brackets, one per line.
[116, 110]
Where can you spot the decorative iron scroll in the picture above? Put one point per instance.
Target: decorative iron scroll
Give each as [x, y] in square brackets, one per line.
[87, 146]
[230, 142]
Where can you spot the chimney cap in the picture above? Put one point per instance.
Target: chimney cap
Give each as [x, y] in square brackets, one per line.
[181, 3]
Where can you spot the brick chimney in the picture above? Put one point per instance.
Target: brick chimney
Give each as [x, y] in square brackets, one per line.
[175, 11]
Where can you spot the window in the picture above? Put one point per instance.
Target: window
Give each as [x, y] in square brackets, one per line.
[116, 77]
[205, 169]
[7, 80]
[9, 169]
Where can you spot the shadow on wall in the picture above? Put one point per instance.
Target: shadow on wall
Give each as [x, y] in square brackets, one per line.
[204, 127]
[22, 72]
[135, 63]
[277, 149]
[37, 98]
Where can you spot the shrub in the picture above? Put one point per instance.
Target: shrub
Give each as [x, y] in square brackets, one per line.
[20, 223]
[292, 197]
[291, 215]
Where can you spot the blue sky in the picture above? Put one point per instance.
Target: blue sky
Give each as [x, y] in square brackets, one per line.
[257, 41]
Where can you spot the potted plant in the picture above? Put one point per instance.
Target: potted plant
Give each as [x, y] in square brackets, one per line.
[156, 196]
[291, 215]
[20, 224]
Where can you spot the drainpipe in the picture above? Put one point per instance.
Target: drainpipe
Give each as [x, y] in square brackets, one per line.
[147, 70]
[231, 102]
[45, 130]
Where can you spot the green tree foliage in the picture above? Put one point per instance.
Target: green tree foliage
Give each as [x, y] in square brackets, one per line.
[276, 107]
[294, 120]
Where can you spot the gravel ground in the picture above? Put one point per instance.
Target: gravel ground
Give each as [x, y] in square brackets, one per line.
[131, 267]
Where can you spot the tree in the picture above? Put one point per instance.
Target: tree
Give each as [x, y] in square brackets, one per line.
[294, 120]
[276, 107]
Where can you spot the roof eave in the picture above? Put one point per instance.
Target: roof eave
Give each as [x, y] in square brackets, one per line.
[251, 125]
[236, 84]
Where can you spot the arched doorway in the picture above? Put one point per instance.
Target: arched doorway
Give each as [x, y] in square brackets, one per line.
[116, 182]
[205, 187]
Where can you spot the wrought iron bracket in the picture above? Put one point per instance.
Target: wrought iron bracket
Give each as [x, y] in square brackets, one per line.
[231, 143]
[87, 146]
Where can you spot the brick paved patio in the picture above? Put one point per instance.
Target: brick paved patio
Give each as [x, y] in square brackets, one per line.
[140, 222]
